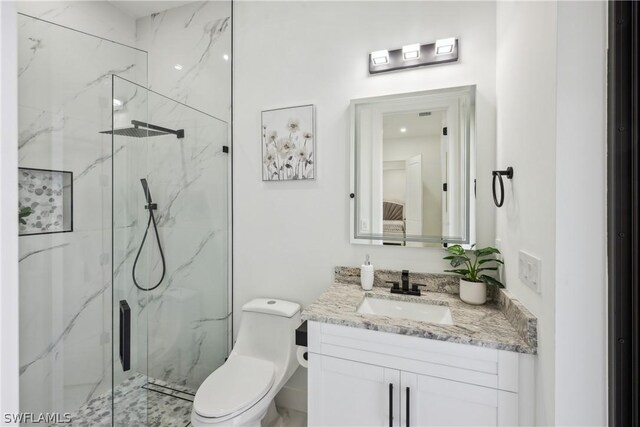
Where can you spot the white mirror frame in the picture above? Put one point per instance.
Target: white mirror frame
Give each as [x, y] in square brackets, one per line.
[470, 159]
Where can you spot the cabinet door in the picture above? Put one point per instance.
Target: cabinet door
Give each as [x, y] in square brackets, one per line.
[430, 401]
[347, 393]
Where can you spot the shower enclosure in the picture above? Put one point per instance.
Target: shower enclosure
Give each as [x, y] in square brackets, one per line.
[170, 252]
[124, 313]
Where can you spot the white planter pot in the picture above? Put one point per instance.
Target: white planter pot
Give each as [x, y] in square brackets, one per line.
[473, 292]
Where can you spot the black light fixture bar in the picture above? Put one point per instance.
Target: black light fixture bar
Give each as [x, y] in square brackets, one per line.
[179, 133]
[427, 57]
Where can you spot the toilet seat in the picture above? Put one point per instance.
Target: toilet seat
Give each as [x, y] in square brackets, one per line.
[234, 387]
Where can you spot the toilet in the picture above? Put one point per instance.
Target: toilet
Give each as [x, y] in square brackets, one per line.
[241, 392]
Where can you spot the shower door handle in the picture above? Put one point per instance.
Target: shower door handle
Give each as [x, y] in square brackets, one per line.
[125, 335]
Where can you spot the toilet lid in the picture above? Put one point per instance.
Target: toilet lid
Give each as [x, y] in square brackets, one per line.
[238, 384]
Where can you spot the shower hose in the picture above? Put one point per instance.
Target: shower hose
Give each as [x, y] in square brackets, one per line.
[152, 220]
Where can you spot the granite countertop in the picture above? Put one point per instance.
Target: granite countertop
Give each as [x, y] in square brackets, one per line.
[503, 323]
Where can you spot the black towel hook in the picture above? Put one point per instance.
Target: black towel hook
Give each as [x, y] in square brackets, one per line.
[498, 174]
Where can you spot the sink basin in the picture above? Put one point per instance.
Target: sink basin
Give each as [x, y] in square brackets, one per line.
[406, 310]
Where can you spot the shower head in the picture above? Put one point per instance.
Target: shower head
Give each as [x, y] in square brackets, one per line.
[134, 132]
[143, 130]
[145, 188]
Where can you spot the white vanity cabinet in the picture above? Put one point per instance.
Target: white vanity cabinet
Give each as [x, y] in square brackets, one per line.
[359, 377]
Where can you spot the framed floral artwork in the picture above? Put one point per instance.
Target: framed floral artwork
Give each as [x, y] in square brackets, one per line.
[289, 144]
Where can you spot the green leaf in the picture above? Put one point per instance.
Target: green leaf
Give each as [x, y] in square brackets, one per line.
[491, 281]
[461, 271]
[455, 250]
[487, 251]
[459, 260]
[487, 269]
[22, 221]
[482, 261]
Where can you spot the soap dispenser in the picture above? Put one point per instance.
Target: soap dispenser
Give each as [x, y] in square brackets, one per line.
[366, 275]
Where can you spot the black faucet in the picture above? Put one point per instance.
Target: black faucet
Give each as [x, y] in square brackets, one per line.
[405, 290]
[405, 281]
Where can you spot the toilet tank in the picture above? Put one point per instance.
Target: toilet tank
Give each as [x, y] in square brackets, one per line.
[267, 331]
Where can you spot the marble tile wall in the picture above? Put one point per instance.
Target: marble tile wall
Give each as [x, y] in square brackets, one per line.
[180, 327]
[99, 18]
[66, 290]
[65, 279]
[204, 82]
[188, 328]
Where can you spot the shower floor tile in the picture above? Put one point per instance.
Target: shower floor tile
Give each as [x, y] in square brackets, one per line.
[139, 403]
[155, 403]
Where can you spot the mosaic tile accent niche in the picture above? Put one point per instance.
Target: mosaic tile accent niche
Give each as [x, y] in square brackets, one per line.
[45, 201]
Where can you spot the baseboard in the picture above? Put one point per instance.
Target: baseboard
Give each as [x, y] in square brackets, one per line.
[292, 398]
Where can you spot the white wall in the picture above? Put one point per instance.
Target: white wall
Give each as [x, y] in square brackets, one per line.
[294, 233]
[9, 383]
[290, 235]
[551, 115]
[581, 236]
[526, 99]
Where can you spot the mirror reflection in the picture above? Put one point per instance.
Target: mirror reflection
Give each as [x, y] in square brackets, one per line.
[412, 174]
[412, 168]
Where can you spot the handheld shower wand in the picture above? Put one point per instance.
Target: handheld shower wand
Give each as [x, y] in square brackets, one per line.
[145, 188]
[152, 220]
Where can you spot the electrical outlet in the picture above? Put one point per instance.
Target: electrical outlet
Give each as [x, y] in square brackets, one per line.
[529, 270]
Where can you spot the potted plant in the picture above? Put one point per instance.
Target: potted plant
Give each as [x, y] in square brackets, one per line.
[474, 280]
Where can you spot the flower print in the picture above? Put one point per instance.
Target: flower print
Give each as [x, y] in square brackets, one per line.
[269, 157]
[273, 135]
[293, 125]
[301, 153]
[308, 171]
[285, 147]
[307, 135]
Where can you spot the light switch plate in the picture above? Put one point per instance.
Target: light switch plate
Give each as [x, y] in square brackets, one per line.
[529, 270]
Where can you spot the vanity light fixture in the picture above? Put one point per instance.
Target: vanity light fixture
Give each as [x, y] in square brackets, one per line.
[445, 46]
[403, 130]
[414, 55]
[379, 57]
[411, 51]
[225, 57]
[178, 67]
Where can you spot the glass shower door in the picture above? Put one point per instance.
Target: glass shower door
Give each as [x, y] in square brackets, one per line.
[171, 303]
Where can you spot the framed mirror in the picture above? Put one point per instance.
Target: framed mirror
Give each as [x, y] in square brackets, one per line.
[413, 168]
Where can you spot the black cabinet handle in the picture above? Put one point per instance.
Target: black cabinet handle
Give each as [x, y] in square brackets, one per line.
[390, 404]
[408, 415]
